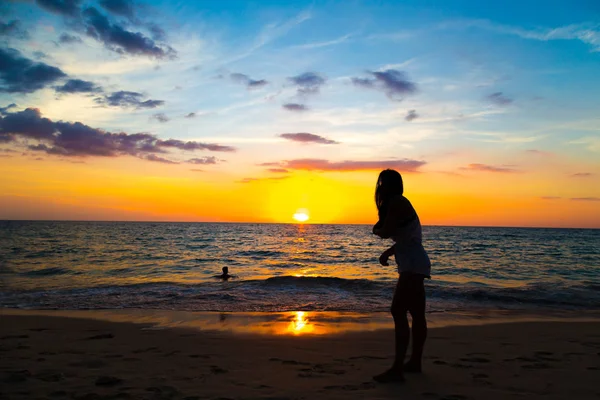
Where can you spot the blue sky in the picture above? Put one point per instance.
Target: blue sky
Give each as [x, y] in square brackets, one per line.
[457, 85]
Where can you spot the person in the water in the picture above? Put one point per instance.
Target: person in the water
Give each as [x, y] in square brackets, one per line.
[398, 220]
[225, 275]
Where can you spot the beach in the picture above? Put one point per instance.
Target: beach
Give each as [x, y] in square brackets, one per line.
[79, 357]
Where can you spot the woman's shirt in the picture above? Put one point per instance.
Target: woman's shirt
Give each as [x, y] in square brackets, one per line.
[409, 252]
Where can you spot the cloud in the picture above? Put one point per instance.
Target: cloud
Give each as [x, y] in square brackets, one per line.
[22, 75]
[78, 86]
[307, 138]
[77, 139]
[4, 110]
[123, 8]
[122, 41]
[539, 152]
[412, 115]
[583, 175]
[65, 38]
[295, 107]
[190, 145]
[127, 99]
[203, 161]
[68, 8]
[488, 168]
[550, 197]
[499, 99]
[160, 117]
[588, 33]
[308, 83]
[313, 164]
[324, 44]
[155, 158]
[278, 170]
[585, 198]
[13, 29]
[392, 82]
[191, 115]
[246, 80]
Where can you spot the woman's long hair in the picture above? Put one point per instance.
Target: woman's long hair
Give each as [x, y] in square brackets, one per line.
[389, 184]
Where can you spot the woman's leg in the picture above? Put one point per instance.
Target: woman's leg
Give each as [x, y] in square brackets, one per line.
[401, 335]
[419, 326]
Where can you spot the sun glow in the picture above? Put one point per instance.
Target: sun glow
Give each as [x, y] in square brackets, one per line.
[301, 215]
[300, 324]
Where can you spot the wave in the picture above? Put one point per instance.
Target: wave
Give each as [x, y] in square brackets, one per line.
[48, 272]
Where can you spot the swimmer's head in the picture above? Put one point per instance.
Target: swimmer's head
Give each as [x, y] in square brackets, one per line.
[225, 270]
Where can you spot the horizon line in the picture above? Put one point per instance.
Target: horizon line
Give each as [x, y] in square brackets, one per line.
[286, 223]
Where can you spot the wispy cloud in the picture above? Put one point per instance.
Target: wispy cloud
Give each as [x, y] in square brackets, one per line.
[314, 164]
[307, 138]
[585, 198]
[411, 115]
[582, 175]
[247, 81]
[489, 168]
[550, 197]
[315, 45]
[160, 117]
[499, 99]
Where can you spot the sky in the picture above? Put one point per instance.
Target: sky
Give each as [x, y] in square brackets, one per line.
[237, 111]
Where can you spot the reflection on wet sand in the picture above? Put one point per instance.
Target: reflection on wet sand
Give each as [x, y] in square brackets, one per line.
[294, 323]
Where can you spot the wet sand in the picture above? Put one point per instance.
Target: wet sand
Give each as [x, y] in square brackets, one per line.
[54, 357]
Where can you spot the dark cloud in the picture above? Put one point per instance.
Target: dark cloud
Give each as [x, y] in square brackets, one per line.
[203, 160]
[307, 138]
[123, 8]
[65, 38]
[22, 75]
[160, 117]
[412, 115]
[295, 107]
[191, 115]
[311, 164]
[4, 110]
[582, 175]
[78, 86]
[68, 8]
[488, 168]
[118, 39]
[155, 158]
[13, 29]
[157, 32]
[127, 99]
[392, 82]
[308, 82]
[585, 198]
[278, 170]
[246, 80]
[39, 55]
[499, 99]
[77, 139]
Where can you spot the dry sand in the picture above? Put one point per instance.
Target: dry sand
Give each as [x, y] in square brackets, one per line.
[45, 357]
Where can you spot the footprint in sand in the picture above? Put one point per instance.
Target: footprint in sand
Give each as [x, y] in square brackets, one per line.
[476, 359]
[361, 386]
[215, 369]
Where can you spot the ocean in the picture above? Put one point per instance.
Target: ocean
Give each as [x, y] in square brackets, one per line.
[286, 267]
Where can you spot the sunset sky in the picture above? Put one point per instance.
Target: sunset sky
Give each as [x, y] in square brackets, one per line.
[251, 111]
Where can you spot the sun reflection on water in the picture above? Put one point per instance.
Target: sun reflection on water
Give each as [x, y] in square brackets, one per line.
[300, 324]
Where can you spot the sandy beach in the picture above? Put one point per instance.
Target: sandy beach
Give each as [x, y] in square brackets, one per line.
[45, 357]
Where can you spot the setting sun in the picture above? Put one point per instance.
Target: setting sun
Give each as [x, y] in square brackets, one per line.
[301, 215]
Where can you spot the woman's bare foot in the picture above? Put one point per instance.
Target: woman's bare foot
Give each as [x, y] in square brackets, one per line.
[389, 376]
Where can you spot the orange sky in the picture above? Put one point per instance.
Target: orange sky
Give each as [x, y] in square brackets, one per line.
[126, 188]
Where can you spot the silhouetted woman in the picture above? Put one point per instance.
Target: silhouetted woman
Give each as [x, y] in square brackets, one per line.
[398, 220]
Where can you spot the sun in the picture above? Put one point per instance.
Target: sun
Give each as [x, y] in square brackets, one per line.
[301, 215]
